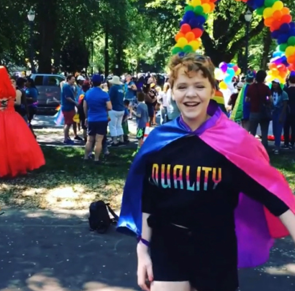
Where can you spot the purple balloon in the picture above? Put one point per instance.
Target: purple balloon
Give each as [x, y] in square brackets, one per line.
[223, 67]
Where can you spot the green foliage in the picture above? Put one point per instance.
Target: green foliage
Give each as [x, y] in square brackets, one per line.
[139, 34]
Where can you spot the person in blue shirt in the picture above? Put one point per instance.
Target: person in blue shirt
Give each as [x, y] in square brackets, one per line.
[68, 105]
[116, 114]
[96, 106]
[130, 89]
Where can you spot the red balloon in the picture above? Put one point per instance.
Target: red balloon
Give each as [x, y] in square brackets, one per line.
[197, 32]
[286, 18]
[185, 28]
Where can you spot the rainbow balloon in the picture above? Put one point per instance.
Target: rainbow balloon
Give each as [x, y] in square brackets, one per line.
[276, 16]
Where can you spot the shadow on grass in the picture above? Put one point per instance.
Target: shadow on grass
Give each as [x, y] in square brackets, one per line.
[67, 181]
[49, 250]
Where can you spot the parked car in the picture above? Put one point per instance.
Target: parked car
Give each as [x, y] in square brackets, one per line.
[48, 86]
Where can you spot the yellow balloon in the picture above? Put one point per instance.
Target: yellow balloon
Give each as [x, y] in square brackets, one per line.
[219, 75]
[195, 44]
[278, 6]
[222, 86]
[195, 3]
[290, 50]
[238, 72]
[268, 12]
[206, 8]
[76, 118]
[182, 42]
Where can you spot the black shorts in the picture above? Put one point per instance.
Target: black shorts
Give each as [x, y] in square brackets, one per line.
[151, 109]
[97, 127]
[176, 256]
[140, 133]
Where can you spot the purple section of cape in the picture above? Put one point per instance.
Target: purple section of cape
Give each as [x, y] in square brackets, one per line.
[254, 244]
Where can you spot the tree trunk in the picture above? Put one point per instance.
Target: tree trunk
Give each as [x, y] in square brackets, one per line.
[47, 14]
[267, 40]
[106, 51]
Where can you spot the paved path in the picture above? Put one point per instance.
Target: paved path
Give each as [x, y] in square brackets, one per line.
[46, 125]
[46, 251]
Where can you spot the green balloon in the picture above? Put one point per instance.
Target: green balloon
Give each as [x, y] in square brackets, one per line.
[260, 10]
[291, 40]
[188, 49]
[269, 3]
[188, 8]
[176, 50]
[198, 10]
[282, 47]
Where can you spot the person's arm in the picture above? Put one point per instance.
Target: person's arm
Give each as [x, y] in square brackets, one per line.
[85, 108]
[138, 112]
[133, 86]
[108, 102]
[245, 184]
[18, 98]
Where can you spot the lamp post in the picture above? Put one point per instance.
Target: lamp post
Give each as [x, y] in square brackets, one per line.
[31, 18]
[248, 18]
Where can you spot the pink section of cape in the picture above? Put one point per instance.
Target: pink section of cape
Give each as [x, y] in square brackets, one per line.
[247, 153]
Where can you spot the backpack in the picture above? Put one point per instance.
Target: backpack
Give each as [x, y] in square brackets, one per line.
[99, 218]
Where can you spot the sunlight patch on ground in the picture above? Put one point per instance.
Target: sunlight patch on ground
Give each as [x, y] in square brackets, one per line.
[282, 270]
[51, 191]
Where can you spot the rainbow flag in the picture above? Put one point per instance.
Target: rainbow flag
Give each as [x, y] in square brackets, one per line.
[220, 100]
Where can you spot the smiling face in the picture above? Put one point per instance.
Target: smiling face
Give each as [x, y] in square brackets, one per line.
[192, 93]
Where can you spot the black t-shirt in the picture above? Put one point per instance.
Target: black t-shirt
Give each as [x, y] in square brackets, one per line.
[190, 184]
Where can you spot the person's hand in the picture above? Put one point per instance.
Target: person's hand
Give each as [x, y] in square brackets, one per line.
[144, 267]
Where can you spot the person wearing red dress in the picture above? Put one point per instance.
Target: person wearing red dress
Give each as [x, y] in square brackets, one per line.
[20, 151]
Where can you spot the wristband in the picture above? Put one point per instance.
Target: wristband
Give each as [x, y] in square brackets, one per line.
[145, 242]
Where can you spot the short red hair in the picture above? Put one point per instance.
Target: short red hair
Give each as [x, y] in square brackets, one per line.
[6, 88]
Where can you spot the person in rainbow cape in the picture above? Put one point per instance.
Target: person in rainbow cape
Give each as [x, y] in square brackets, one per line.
[201, 205]
[241, 110]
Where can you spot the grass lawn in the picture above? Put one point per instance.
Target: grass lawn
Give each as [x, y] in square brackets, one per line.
[67, 182]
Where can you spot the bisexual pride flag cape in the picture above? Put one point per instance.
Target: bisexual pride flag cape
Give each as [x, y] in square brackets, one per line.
[255, 226]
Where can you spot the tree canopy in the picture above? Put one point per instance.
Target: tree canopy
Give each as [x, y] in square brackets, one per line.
[121, 35]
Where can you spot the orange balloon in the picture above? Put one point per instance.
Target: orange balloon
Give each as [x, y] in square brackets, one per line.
[190, 36]
[272, 66]
[268, 21]
[212, 6]
[277, 15]
[285, 11]
[291, 59]
[178, 36]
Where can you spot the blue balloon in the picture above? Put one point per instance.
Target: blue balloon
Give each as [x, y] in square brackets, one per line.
[231, 72]
[227, 79]
[292, 32]
[283, 38]
[181, 54]
[255, 3]
[275, 34]
[277, 54]
[196, 22]
[230, 65]
[188, 16]
[285, 27]
[201, 19]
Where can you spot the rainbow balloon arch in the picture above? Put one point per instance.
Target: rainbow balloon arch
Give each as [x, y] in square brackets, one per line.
[276, 17]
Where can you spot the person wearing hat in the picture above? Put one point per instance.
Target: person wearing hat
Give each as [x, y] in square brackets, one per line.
[280, 101]
[116, 93]
[96, 106]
